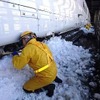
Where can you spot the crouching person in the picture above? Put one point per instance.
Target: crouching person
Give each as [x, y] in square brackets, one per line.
[40, 59]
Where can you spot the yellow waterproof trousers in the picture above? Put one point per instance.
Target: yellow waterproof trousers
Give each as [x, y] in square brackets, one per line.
[35, 83]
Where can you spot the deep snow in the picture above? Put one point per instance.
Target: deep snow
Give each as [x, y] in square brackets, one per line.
[72, 62]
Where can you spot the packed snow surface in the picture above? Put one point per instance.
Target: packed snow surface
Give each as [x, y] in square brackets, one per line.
[72, 62]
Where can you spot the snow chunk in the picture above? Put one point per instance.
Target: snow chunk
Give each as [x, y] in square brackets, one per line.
[97, 96]
[93, 84]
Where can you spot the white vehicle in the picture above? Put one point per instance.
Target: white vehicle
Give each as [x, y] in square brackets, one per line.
[41, 17]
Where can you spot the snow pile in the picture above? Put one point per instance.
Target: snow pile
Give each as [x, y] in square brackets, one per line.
[72, 63]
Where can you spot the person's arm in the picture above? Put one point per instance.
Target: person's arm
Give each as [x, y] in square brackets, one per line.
[19, 61]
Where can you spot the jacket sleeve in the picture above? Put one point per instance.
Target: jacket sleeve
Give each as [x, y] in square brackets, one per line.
[19, 61]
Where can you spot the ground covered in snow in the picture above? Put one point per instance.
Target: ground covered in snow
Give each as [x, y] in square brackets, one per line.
[73, 65]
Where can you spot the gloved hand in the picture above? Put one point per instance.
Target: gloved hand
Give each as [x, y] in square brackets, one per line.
[15, 53]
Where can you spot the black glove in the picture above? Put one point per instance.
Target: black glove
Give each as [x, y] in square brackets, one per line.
[15, 53]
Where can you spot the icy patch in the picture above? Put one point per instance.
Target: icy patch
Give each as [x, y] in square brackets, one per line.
[72, 63]
[88, 31]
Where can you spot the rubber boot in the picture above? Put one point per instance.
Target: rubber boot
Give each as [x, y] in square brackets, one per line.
[50, 89]
[58, 80]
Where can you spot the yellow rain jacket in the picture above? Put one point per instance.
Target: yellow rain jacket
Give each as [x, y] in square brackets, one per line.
[37, 55]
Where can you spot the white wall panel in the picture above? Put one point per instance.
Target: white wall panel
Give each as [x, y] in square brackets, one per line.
[44, 22]
[28, 12]
[28, 24]
[39, 16]
[29, 3]
[12, 1]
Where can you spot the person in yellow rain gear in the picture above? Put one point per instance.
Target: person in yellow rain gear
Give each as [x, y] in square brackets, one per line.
[40, 59]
